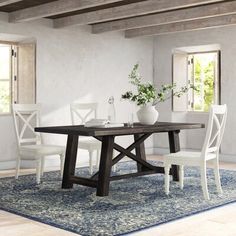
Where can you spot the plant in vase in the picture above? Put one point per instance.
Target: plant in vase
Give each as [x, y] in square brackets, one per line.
[147, 97]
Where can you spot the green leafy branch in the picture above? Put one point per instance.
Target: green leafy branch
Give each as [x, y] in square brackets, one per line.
[167, 91]
[147, 93]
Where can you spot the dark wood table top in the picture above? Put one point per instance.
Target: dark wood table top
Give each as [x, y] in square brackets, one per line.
[136, 129]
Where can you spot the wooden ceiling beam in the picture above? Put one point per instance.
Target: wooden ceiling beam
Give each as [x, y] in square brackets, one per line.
[130, 10]
[214, 22]
[212, 10]
[55, 8]
[8, 2]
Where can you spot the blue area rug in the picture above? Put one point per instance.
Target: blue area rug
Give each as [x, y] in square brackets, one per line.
[133, 204]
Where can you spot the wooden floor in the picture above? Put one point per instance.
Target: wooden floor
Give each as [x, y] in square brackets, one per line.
[218, 222]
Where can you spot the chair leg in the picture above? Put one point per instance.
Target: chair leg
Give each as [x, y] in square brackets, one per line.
[113, 167]
[42, 166]
[38, 170]
[181, 176]
[62, 157]
[90, 162]
[217, 176]
[167, 179]
[204, 182]
[98, 158]
[17, 167]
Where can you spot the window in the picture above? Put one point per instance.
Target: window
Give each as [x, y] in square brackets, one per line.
[203, 72]
[17, 75]
[202, 69]
[5, 78]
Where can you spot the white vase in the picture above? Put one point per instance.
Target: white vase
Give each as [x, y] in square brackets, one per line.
[147, 115]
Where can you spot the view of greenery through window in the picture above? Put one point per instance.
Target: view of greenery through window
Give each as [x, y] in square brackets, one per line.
[204, 77]
[5, 78]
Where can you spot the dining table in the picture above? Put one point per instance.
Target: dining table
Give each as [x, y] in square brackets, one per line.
[102, 178]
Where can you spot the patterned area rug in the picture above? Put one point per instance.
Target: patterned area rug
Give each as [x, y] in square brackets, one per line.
[133, 204]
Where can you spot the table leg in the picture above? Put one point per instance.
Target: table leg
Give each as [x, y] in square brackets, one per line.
[174, 147]
[140, 153]
[105, 166]
[70, 160]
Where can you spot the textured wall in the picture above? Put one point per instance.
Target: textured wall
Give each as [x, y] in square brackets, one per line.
[163, 47]
[74, 65]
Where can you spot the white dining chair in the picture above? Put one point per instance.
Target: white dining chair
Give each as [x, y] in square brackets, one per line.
[209, 152]
[30, 146]
[80, 113]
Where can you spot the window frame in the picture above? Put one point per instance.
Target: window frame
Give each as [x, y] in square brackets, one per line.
[218, 82]
[16, 78]
[10, 80]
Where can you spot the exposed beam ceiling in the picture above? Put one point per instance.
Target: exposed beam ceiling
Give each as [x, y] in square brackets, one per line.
[130, 10]
[135, 17]
[7, 2]
[54, 8]
[217, 9]
[213, 22]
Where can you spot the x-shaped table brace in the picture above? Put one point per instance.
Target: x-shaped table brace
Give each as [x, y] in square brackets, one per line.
[101, 180]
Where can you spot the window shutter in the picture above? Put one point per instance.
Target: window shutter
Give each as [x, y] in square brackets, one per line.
[26, 76]
[180, 77]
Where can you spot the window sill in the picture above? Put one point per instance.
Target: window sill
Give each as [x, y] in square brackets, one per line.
[5, 114]
[198, 112]
[193, 112]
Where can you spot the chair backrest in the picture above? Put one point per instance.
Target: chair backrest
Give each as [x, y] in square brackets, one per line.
[215, 129]
[26, 117]
[82, 112]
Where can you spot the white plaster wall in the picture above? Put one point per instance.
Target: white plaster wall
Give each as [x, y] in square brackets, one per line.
[74, 65]
[163, 46]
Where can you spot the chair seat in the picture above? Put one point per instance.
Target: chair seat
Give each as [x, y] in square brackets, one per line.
[89, 143]
[187, 158]
[41, 149]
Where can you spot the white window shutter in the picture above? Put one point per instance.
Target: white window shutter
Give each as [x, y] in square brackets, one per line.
[180, 77]
[26, 75]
